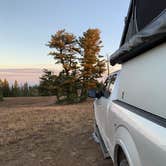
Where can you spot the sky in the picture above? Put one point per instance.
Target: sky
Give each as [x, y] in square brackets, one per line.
[27, 25]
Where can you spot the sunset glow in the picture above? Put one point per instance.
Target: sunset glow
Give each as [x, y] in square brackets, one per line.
[26, 28]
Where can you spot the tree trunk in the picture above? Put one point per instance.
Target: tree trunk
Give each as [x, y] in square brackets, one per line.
[84, 93]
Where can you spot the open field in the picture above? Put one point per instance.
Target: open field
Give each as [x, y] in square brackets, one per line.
[36, 132]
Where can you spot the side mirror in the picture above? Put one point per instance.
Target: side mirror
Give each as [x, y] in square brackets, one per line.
[92, 93]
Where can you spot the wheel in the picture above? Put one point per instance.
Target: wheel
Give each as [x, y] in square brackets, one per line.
[123, 163]
[122, 159]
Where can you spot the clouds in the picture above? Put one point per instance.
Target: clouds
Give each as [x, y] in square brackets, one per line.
[22, 75]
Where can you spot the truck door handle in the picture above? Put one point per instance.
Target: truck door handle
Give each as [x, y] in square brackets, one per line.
[115, 124]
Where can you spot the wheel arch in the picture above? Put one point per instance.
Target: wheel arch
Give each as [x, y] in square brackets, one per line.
[125, 143]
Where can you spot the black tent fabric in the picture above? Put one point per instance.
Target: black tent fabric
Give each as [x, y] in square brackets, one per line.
[145, 28]
[147, 10]
[151, 36]
[140, 14]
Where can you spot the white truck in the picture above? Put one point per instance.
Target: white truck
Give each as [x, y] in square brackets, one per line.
[130, 111]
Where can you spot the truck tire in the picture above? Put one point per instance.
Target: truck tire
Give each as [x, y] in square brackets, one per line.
[122, 159]
[123, 163]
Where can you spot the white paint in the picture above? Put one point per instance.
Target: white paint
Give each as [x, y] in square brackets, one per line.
[143, 81]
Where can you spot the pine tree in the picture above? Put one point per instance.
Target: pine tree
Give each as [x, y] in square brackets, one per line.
[1, 90]
[25, 89]
[81, 65]
[33, 90]
[46, 83]
[66, 48]
[5, 88]
[16, 89]
[92, 66]
[100, 67]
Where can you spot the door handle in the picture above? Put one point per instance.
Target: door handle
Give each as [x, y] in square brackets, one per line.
[115, 124]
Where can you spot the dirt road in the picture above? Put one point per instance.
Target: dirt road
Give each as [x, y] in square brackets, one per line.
[36, 132]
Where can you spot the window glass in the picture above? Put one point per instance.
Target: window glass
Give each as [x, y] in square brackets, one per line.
[112, 81]
[108, 85]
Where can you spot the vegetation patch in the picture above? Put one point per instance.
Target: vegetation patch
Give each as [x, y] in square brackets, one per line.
[81, 63]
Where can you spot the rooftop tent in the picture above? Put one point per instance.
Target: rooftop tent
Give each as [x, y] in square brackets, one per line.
[145, 27]
[147, 10]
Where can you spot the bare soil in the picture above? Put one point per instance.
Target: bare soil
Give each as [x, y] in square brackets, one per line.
[34, 131]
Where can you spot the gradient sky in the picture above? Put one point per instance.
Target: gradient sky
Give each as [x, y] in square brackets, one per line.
[26, 26]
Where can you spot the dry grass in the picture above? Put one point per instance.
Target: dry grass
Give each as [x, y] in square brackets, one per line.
[36, 132]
